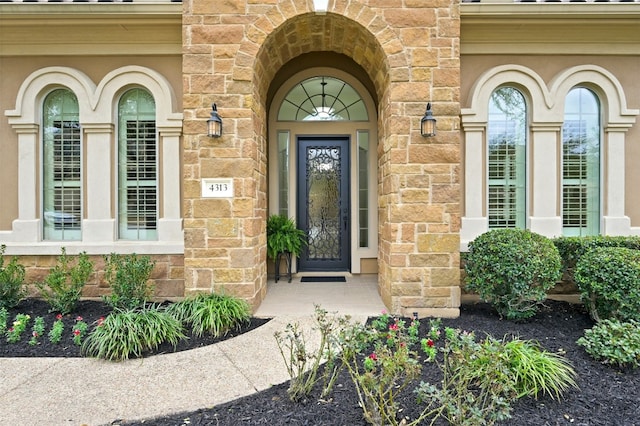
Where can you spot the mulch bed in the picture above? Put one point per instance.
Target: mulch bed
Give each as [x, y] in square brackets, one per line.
[90, 311]
[607, 396]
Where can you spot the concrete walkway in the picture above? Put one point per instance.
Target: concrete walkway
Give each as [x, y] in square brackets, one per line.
[80, 391]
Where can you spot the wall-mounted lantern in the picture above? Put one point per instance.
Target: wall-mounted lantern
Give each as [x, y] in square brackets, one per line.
[214, 123]
[428, 123]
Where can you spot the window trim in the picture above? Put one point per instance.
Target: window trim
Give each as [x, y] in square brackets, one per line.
[546, 109]
[96, 110]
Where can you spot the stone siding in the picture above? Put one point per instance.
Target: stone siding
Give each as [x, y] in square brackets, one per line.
[167, 276]
[411, 52]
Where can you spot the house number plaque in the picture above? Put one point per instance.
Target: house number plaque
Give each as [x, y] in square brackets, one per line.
[217, 188]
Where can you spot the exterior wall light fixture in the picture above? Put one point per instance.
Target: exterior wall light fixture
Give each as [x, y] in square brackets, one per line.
[428, 123]
[214, 123]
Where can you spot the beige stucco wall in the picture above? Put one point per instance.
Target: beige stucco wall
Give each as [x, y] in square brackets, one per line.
[14, 70]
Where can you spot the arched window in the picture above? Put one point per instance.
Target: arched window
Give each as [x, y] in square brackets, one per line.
[323, 99]
[62, 167]
[507, 140]
[581, 136]
[137, 166]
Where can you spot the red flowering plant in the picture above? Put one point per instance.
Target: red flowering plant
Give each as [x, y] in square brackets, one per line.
[14, 333]
[393, 363]
[79, 330]
[37, 331]
[55, 334]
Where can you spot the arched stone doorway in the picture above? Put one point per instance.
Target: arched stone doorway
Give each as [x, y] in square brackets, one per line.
[409, 55]
[322, 164]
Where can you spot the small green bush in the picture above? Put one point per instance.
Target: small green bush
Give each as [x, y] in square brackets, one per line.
[12, 276]
[63, 285]
[613, 342]
[215, 314]
[128, 277]
[571, 249]
[131, 333]
[512, 269]
[608, 279]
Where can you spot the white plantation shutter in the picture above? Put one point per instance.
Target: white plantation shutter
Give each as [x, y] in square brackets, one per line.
[137, 167]
[507, 139]
[62, 167]
[581, 164]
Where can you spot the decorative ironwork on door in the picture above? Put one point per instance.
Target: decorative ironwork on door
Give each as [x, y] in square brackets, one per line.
[324, 203]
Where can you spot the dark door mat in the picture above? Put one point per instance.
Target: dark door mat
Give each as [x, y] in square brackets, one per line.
[323, 280]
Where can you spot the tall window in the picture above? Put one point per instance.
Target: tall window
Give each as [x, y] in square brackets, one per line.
[137, 166]
[62, 160]
[581, 164]
[507, 137]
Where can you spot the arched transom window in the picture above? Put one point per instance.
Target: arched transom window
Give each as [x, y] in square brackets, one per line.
[323, 99]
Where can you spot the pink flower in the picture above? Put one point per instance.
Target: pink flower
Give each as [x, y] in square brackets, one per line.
[393, 327]
[59, 316]
[100, 321]
[35, 334]
[373, 356]
[430, 343]
[76, 332]
[384, 312]
[78, 318]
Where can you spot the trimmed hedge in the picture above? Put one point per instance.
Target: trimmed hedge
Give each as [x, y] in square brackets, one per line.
[572, 248]
[512, 269]
[609, 283]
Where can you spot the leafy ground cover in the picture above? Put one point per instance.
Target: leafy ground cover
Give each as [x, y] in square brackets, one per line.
[90, 312]
[607, 396]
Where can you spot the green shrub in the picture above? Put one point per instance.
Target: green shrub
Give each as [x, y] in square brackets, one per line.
[128, 277]
[131, 333]
[572, 248]
[608, 279]
[63, 285]
[11, 281]
[613, 342]
[512, 269]
[211, 313]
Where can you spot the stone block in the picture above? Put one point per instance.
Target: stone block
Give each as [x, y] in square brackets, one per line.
[406, 289]
[224, 276]
[169, 288]
[405, 18]
[438, 243]
[432, 260]
[222, 227]
[416, 213]
[242, 258]
[217, 34]
[445, 277]
[211, 208]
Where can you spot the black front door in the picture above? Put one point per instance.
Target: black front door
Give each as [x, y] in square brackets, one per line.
[323, 203]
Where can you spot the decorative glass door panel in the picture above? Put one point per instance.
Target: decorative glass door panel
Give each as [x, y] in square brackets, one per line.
[323, 202]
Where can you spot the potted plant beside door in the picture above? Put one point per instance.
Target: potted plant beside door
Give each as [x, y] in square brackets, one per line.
[284, 239]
